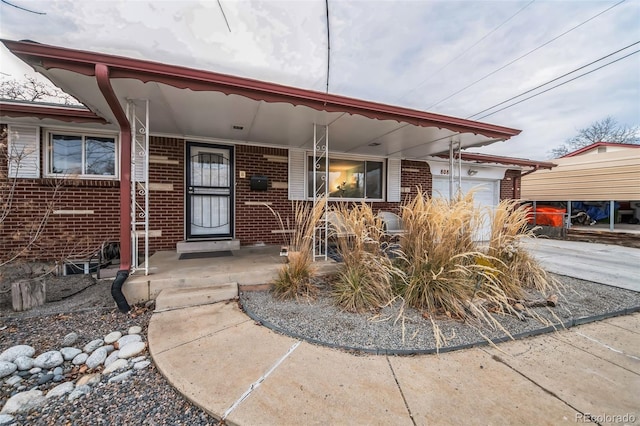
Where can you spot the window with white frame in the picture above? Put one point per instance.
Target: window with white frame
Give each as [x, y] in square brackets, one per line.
[348, 178]
[81, 154]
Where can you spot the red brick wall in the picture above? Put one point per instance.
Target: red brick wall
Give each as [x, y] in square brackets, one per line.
[254, 223]
[75, 235]
[511, 180]
[166, 206]
[62, 236]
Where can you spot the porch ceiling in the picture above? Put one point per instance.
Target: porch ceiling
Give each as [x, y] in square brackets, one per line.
[197, 104]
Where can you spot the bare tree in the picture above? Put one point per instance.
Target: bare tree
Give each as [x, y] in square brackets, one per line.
[31, 231]
[607, 130]
[33, 90]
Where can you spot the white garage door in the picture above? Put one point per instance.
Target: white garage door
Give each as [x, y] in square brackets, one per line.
[487, 194]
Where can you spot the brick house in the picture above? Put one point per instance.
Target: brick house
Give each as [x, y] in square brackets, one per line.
[208, 149]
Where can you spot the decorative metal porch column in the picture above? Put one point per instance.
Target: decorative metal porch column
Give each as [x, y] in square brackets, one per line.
[138, 115]
[455, 149]
[320, 187]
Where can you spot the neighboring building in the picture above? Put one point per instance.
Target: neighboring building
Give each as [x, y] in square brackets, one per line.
[602, 175]
[209, 149]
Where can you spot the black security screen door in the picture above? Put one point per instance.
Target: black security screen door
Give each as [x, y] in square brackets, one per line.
[209, 191]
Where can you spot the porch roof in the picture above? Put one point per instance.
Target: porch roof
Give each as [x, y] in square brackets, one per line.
[202, 104]
[48, 114]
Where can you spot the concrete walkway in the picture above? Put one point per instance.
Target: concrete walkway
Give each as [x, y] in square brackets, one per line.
[247, 374]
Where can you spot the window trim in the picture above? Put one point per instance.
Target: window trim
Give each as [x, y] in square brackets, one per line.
[82, 133]
[383, 191]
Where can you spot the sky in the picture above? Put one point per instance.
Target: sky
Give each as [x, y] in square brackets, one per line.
[449, 57]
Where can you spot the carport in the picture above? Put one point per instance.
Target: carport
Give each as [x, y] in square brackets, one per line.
[607, 177]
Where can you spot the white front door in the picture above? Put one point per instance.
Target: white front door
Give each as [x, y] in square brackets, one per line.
[209, 191]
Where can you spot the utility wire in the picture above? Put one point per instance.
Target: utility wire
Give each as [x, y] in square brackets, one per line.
[525, 55]
[466, 50]
[224, 15]
[555, 79]
[326, 2]
[22, 8]
[558, 85]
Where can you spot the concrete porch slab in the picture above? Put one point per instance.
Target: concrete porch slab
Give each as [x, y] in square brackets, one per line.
[247, 266]
[204, 246]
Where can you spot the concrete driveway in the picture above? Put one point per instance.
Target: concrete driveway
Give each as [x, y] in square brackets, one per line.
[601, 263]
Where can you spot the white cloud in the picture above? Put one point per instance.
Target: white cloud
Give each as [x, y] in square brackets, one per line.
[391, 52]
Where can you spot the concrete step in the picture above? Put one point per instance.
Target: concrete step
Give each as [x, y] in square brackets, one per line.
[205, 246]
[186, 297]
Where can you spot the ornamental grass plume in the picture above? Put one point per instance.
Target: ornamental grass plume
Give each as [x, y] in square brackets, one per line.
[519, 271]
[365, 276]
[295, 276]
[438, 253]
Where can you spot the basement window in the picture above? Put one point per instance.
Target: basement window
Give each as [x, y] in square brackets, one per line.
[81, 155]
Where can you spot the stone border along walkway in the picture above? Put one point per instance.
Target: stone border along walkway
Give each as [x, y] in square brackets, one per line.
[112, 359]
[402, 352]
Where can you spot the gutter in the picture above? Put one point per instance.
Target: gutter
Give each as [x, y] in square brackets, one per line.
[104, 83]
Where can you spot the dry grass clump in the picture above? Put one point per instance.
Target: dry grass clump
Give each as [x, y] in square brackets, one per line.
[438, 267]
[294, 278]
[518, 270]
[365, 276]
[447, 271]
[439, 255]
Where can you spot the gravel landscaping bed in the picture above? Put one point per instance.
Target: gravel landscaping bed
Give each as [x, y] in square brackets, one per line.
[85, 307]
[401, 330]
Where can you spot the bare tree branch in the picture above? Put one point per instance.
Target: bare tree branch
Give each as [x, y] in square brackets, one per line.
[33, 90]
[606, 130]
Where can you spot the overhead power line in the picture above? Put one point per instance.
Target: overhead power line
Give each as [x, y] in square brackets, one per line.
[22, 8]
[326, 2]
[555, 79]
[224, 15]
[560, 84]
[466, 50]
[525, 55]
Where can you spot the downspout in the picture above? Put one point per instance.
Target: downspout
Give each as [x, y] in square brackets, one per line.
[528, 172]
[104, 83]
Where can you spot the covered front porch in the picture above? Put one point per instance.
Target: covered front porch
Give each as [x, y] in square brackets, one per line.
[172, 120]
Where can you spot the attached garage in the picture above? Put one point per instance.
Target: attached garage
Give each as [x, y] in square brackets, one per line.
[484, 180]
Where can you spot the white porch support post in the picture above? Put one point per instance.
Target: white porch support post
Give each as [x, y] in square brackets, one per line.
[459, 166]
[568, 214]
[455, 150]
[138, 114]
[450, 170]
[612, 213]
[320, 188]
